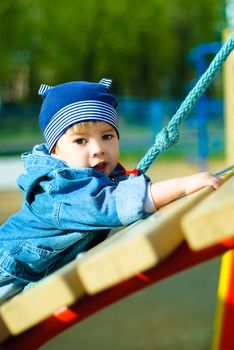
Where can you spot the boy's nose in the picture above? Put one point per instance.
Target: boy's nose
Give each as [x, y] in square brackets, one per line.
[97, 149]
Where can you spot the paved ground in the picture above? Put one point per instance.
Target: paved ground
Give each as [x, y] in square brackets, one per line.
[10, 168]
[176, 314]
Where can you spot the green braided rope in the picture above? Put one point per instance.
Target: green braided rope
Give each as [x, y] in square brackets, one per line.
[170, 134]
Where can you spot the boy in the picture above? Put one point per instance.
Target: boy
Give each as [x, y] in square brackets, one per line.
[75, 189]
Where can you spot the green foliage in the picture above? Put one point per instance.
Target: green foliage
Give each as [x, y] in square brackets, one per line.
[142, 45]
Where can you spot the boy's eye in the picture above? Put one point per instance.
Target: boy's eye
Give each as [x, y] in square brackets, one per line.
[108, 137]
[81, 141]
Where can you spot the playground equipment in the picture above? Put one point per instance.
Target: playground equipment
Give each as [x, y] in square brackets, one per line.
[198, 57]
[142, 254]
[223, 332]
[139, 255]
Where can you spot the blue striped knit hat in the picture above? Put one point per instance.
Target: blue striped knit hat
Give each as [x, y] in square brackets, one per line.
[67, 104]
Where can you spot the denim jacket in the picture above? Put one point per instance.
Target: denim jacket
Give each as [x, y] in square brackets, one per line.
[65, 211]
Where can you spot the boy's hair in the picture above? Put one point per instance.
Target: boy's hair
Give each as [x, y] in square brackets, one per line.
[82, 127]
[67, 104]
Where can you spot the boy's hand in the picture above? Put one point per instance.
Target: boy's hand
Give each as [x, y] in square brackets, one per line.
[196, 182]
[165, 191]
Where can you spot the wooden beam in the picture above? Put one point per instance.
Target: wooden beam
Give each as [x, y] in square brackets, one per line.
[224, 316]
[229, 103]
[37, 303]
[135, 249]
[140, 247]
[183, 258]
[212, 220]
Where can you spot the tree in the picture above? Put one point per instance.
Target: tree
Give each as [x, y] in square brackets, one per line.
[142, 45]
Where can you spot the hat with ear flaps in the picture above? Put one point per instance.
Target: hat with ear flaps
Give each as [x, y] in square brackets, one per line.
[67, 104]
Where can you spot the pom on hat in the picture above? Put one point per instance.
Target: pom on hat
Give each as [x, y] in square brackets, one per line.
[67, 104]
[43, 88]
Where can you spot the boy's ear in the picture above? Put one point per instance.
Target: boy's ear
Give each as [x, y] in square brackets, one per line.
[53, 151]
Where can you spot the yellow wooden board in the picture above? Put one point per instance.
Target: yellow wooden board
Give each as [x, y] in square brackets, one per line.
[222, 295]
[228, 87]
[212, 220]
[39, 302]
[141, 247]
[132, 250]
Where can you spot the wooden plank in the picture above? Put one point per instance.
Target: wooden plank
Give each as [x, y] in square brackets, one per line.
[142, 246]
[182, 259]
[37, 303]
[229, 103]
[134, 249]
[212, 220]
[224, 316]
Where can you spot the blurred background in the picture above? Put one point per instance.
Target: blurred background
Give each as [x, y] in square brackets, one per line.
[154, 51]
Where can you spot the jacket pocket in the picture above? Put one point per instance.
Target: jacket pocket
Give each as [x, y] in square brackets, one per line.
[27, 262]
[4, 276]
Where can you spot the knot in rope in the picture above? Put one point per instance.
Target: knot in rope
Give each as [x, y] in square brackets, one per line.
[166, 138]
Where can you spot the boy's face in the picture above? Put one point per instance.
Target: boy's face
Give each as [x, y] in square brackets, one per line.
[96, 146]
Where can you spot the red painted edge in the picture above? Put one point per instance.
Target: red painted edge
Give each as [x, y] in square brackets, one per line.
[183, 258]
[227, 331]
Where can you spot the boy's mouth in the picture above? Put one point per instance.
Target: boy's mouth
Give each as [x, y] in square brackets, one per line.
[100, 166]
